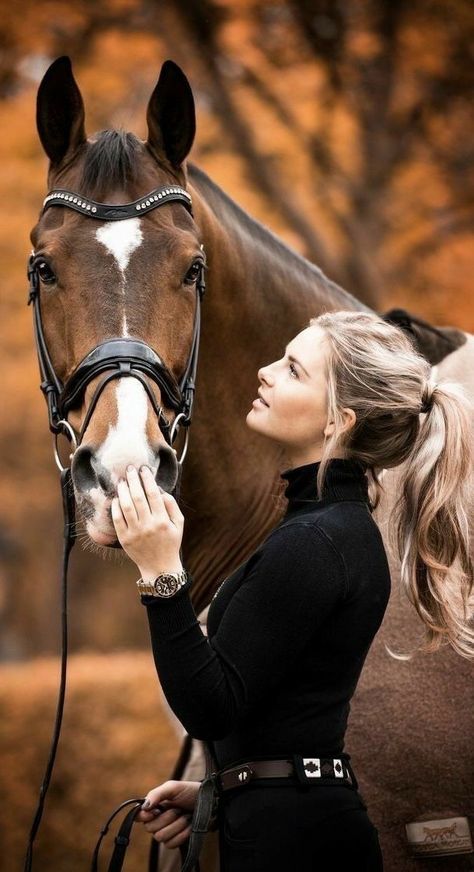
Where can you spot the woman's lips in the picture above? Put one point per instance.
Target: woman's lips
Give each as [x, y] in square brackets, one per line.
[259, 402]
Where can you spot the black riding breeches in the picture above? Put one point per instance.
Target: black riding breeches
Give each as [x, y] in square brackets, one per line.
[282, 826]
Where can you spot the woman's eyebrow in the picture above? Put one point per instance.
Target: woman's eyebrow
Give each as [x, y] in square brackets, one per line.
[294, 360]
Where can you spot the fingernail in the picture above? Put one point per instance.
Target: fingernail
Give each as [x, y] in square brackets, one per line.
[130, 468]
[146, 804]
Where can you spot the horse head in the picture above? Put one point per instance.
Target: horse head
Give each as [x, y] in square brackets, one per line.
[132, 279]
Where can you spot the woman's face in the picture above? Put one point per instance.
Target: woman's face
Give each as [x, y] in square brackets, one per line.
[294, 411]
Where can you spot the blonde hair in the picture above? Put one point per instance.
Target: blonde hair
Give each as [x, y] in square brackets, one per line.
[373, 368]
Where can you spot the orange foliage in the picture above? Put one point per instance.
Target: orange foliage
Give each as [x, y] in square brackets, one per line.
[117, 743]
[405, 240]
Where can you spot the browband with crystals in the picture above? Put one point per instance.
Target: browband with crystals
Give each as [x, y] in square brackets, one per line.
[111, 212]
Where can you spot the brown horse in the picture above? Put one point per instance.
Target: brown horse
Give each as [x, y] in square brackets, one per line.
[136, 278]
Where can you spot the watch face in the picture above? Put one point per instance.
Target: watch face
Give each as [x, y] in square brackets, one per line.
[167, 585]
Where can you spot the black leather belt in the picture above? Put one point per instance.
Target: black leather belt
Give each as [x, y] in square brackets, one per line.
[307, 770]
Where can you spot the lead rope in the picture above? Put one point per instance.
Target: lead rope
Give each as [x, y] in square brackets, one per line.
[205, 805]
[69, 539]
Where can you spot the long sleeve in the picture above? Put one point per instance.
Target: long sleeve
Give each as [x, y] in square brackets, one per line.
[294, 582]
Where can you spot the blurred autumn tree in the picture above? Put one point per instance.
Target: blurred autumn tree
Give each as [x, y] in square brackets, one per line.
[344, 125]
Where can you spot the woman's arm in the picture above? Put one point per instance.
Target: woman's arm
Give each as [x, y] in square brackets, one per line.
[289, 590]
[294, 582]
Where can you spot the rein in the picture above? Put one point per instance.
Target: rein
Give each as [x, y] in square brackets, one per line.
[117, 357]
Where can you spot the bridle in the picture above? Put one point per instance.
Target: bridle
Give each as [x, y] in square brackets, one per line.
[120, 356]
[115, 358]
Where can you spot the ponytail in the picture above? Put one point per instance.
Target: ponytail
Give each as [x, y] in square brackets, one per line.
[431, 521]
[373, 368]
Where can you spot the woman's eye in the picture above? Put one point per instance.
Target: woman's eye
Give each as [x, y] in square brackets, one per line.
[293, 369]
[193, 273]
[45, 272]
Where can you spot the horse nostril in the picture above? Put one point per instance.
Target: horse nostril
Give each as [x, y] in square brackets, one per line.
[83, 473]
[104, 480]
[87, 473]
[168, 471]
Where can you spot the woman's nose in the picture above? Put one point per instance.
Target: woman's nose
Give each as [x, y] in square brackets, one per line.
[264, 374]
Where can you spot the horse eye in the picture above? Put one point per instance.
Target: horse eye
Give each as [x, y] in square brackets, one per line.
[193, 273]
[45, 272]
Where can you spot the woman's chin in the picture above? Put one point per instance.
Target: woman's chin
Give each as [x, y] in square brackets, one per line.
[252, 420]
[253, 423]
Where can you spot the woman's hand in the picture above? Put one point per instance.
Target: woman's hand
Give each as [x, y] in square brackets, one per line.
[148, 522]
[172, 826]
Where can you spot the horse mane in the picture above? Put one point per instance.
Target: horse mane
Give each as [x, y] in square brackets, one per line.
[111, 161]
[285, 255]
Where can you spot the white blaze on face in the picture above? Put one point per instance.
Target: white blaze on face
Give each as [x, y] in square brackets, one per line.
[121, 238]
[126, 441]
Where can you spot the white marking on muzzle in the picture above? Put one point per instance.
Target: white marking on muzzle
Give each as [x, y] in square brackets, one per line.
[121, 238]
[126, 441]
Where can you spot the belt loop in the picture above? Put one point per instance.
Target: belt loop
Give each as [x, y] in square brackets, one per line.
[300, 773]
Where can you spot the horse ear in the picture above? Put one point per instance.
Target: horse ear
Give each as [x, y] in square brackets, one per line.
[170, 115]
[60, 111]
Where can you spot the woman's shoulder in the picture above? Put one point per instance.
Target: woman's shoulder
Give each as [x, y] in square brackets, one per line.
[346, 527]
[328, 518]
[307, 538]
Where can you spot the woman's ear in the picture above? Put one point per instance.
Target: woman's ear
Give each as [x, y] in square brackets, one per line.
[349, 421]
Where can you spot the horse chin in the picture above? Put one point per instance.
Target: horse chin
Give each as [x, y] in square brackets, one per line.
[95, 517]
[102, 537]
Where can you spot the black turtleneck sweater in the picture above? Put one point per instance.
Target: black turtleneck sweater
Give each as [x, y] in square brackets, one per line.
[288, 631]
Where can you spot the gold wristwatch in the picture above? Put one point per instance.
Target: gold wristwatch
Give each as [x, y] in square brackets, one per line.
[165, 584]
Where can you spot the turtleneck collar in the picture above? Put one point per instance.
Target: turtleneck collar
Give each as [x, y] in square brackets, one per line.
[345, 480]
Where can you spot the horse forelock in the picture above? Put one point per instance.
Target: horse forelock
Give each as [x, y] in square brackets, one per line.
[111, 162]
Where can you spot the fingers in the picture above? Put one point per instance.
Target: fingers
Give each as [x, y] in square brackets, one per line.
[146, 816]
[118, 519]
[178, 839]
[126, 503]
[158, 499]
[172, 827]
[165, 792]
[174, 512]
[140, 497]
[152, 489]
[137, 494]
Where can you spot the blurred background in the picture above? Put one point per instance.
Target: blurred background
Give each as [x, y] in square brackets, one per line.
[346, 126]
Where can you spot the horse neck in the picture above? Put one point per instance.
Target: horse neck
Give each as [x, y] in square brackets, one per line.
[251, 269]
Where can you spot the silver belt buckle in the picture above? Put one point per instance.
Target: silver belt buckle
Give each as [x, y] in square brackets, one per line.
[312, 767]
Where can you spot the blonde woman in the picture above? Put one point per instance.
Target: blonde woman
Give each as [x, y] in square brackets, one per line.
[269, 690]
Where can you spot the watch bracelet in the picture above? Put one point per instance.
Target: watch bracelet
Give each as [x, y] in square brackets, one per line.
[154, 596]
